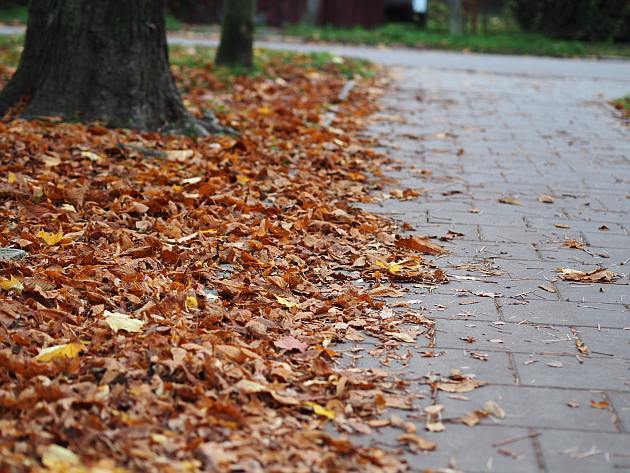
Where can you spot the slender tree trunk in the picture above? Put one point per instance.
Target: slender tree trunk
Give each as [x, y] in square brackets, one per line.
[311, 15]
[455, 18]
[104, 60]
[237, 34]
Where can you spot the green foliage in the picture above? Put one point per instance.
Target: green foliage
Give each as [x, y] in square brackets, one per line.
[14, 14]
[172, 23]
[590, 20]
[623, 103]
[505, 42]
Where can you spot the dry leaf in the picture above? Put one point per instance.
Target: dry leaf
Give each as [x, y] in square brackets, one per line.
[291, 343]
[50, 238]
[464, 386]
[118, 321]
[509, 200]
[67, 350]
[286, 302]
[599, 275]
[14, 284]
[494, 409]
[417, 442]
[321, 411]
[420, 245]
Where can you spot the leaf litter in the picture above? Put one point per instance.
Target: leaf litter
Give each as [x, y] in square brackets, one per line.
[181, 297]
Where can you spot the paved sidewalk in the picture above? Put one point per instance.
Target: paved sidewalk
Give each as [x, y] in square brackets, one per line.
[469, 138]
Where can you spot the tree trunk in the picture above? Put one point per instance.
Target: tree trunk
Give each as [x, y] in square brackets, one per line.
[455, 18]
[104, 60]
[237, 34]
[312, 13]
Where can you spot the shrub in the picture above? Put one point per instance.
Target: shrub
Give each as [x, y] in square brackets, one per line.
[575, 19]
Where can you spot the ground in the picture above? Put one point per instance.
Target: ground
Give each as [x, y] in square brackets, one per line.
[521, 166]
[549, 140]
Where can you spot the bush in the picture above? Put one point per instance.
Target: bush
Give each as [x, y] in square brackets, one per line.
[592, 20]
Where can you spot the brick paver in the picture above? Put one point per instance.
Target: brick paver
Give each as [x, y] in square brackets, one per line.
[484, 136]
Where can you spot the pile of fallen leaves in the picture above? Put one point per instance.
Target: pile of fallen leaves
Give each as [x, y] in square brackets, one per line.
[176, 302]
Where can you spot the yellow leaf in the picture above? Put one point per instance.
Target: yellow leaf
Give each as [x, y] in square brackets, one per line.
[118, 321]
[242, 179]
[13, 283]
[322, 411]
[57, 458]
[264, 110]
[286, 302]
[209, 230]
[11, 177]
[50, 238]
[91, 156]
[393, 268]
[191, 302]
[67, 350]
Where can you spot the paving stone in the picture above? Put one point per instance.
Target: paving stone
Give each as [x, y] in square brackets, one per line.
[585, 292]
[609, 341]
[569, 372]
[621, 403]
[540, 408]
[588, 452]
[508, 337]
[567, 313]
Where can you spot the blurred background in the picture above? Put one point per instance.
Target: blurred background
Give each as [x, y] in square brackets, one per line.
[546, 27]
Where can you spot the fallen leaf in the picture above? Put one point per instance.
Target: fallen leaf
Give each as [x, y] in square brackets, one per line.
[401, 337]
[291, 343]
[286, 302]
[600, 404]
[494, 409]
[417, 442]
[546, 199]
[460, 387]
[50, 238]
[578, 245]
[509, 200]
[599, 275]
[59, 459]
[118, 321]
[191, 302]
[14, 284]
[321, 411]
[67, 350]
[420, 245]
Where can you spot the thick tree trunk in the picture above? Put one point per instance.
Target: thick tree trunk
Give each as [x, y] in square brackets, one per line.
[104, 60]
[237, 34]
[455, 16]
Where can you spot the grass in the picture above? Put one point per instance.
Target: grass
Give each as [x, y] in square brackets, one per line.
[14, 14]
[623, 105]
[180, 56]
[504, 41]
[201, 56]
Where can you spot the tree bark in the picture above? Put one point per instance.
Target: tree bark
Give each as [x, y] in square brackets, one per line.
[104, 60]
[313, 9]
[455, 16]
[237, 34]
